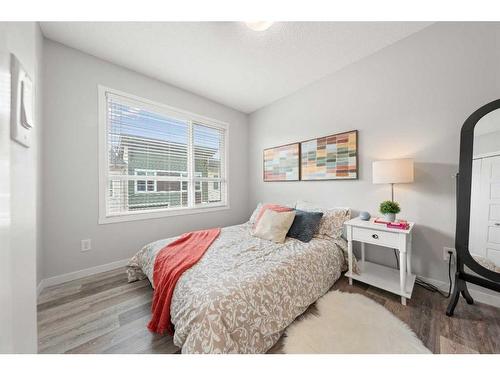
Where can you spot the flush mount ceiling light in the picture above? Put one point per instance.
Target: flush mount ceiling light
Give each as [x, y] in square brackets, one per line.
[259, 25]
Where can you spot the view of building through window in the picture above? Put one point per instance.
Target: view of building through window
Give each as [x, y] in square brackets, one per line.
[160, 162]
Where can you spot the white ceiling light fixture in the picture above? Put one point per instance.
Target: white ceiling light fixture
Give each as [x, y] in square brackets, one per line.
[259, 25]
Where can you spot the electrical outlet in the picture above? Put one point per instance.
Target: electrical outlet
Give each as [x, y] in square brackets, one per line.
[86, 245]
[446, 253]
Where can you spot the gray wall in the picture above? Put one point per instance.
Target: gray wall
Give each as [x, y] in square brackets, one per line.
[19, 188]
[408, 100]
[70, 196]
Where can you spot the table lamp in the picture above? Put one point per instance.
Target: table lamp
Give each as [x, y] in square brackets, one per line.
[395, 171]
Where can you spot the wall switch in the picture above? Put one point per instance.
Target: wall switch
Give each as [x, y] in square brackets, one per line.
[446, 254]
[86, 245]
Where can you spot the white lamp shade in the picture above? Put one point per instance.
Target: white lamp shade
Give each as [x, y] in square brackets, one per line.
[395, 171]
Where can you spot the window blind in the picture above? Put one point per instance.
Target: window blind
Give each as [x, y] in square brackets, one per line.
[159, 161]
[209, 149]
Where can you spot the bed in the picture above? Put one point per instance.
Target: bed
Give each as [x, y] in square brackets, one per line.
[244, 291]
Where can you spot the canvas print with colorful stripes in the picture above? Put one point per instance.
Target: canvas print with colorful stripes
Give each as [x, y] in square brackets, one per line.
[282, 163]
[333, 157]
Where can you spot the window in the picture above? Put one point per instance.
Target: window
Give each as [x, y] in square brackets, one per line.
[148, 186]
[157, 161]
[216, 184]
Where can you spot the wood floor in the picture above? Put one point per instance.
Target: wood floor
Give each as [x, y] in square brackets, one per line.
[105, 314]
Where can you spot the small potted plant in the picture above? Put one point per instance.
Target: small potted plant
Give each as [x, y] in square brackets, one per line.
[389, 209]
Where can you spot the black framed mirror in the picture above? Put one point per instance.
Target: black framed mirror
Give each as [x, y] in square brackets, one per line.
[477, 236]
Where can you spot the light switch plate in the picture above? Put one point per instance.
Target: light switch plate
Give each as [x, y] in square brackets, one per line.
[22, 100]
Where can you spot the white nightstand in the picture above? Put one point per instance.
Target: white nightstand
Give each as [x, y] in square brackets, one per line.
[391, 279]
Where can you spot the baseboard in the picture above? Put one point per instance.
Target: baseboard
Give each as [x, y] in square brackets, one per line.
[56, 280]
[40, 287]
[478, 295]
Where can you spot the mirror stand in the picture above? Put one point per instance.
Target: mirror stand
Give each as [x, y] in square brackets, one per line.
[483, 276]
[460, 287]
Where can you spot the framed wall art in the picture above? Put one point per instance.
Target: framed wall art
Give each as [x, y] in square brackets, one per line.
[282, 163]
[334, 157]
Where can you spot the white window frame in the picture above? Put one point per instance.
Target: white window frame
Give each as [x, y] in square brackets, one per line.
[149, 105]
[136, 191]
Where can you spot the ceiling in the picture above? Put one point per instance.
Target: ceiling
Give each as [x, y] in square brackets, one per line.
[226, 61]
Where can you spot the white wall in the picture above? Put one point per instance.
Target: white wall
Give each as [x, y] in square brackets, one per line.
[70, 194]
[408, 100]
[486, 143]
[19, 187]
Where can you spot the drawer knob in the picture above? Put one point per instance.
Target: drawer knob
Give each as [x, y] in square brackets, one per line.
[375, 236]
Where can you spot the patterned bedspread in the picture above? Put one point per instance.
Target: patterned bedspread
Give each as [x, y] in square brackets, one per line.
[245, 291]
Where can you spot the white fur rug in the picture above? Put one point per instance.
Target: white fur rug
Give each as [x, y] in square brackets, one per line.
[351, 323]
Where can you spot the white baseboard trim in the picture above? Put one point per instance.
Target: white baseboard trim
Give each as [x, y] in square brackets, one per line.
[477, 295]
[40, 287]
[56, 280]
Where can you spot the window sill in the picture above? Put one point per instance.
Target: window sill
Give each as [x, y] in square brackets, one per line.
[158, 214]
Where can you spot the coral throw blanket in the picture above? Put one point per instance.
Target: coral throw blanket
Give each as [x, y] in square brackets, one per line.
[170, 263]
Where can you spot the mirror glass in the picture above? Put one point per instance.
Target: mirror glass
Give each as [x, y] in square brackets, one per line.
[484, 237]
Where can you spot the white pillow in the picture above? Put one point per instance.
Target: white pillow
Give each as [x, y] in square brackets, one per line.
[255, 213]
[274, 226]
[332, 222]
[316, 207]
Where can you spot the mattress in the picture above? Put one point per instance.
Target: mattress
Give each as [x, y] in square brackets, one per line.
[244, 291]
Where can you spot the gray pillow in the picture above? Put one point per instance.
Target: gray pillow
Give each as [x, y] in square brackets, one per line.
[305, 225]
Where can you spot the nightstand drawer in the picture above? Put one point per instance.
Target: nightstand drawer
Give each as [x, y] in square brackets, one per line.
[376, 237]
